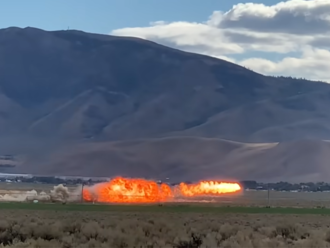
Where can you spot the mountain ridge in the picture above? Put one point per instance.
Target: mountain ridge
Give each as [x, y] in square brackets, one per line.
[72, 88]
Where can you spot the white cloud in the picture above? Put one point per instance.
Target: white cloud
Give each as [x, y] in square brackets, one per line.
[197, 37]
[312, 64]
[296, 16]
[298, 26]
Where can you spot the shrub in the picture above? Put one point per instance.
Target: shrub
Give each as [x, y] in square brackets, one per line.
[47, 229]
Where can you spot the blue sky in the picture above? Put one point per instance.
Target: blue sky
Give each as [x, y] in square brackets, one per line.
[102, 16]
[271, 37]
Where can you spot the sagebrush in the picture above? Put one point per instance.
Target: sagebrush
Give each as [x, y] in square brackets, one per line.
[45, 229]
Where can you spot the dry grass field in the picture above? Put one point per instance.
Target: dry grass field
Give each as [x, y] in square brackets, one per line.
[279, 199]
[64, 229]
[179, 225]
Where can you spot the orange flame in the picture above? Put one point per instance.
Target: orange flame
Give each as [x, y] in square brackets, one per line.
[130, 190]
[208, 188]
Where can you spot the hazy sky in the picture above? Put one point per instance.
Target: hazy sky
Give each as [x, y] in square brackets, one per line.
[271, 37]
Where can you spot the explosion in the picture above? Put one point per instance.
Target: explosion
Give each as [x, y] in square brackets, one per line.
[130, 190]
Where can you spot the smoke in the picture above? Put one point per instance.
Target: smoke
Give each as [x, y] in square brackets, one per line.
[16, 196]
[59, 193]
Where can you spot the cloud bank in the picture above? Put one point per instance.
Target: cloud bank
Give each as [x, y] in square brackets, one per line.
[290, 38]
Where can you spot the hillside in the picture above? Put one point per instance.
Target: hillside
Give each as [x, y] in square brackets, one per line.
[193, 158]
[303, 116]
[69, 87]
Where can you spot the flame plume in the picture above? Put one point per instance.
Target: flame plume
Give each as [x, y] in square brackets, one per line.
[132, 190]
[208, 188]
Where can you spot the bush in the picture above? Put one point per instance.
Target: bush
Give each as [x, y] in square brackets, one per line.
[47, 229]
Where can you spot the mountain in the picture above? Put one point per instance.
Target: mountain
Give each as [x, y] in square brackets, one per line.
[91, 93]
[193, 158]
[303, 116]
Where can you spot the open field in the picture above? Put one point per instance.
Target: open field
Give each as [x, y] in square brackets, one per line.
[118, 229]
[295, 220]
[245, 198]
[281, 199]
[164, 208]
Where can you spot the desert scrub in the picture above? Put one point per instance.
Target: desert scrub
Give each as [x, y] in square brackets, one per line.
[47, 229]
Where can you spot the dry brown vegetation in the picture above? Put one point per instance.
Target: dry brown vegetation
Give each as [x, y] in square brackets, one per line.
[44, 229]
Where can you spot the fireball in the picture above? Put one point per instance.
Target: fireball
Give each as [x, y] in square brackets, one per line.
[136, 190]
[126, 190]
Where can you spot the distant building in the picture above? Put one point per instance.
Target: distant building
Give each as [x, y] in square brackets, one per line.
[7, 157]
[9, 175]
